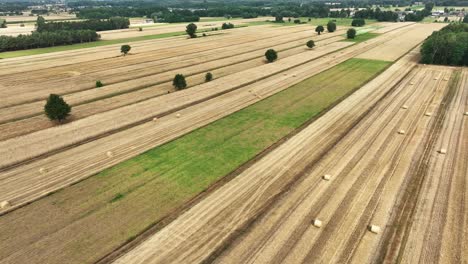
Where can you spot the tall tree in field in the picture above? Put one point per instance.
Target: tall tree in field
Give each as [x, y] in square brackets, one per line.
[125, 49]
[310, 44]
[56, 108]
[191, 30]
[331, 26]
[271, 55]
[179, 82]
[319, 29]
[351, 33]
[40, 23]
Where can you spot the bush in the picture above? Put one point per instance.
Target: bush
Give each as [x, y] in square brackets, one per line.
[271, 55]
[310, 44]
[191, 30]
[56, 108]
[208, 77]
[99, 84]
[358, 22]
[140, 29]
[319, 29]
[125, 49]
[227, 26]
[179, 82]
[3, 23]
[331, 26]
[351, 33]
[204, 34]
[297, 21]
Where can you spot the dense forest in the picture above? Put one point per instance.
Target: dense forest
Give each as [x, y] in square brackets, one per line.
[449, 46]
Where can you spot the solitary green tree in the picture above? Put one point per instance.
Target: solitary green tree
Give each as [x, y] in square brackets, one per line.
[208, 77]
[331, 26]
[191, 30]
[125, 49]
[319, 29]
[56, 108]
[351, 33]
[40, 23]
[310, 44]
[271, 55]
[179, 82]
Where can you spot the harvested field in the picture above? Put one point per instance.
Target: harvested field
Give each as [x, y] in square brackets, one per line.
[179, 27]
[23, 177]
[107, 197]
[129, 116]
[16, 30]
[249, 55]
[265, 214]
[321, 156]
[398, 46]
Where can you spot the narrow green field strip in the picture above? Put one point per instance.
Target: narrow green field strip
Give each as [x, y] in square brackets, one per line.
[103, 212]
[363, 37]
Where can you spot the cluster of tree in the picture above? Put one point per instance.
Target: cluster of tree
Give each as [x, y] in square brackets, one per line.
[39, 11]
[94, 24]
[378, 14]
[108, 12]
[358, 22]
[305, 10]
[343, 13]
[175, 16]
[420, 14]
[47, 39]
[448, 46]
[227, 26]
[232, 11]
[13, 8]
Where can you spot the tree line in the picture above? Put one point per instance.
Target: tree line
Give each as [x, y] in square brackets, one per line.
[47, 39]
[449, 46]
[378, 14]
[93, 24]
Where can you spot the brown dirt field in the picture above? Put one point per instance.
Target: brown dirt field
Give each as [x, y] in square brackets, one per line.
[264, 215]
[408, 40]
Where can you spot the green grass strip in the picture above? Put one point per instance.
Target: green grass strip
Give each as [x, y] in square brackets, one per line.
[363, 37]
[119, 203]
